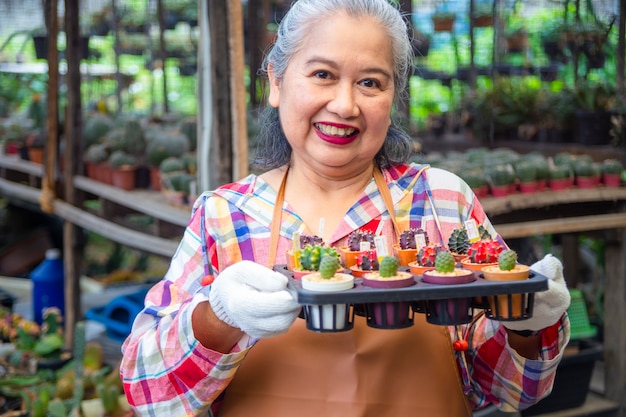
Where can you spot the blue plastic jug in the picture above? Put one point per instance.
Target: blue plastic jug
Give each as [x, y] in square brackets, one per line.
[48, 285]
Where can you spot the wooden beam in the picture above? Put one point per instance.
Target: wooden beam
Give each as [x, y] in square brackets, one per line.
[501, 205]
[151, 244]
[614, 323]
[563, 225]
[238, 91]
[147, 202]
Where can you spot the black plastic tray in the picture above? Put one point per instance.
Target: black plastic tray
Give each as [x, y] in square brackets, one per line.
[420, 291]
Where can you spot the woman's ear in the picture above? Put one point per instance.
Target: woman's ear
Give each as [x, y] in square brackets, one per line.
[274, 97]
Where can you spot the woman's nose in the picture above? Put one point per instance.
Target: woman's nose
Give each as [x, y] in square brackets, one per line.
[344, 102]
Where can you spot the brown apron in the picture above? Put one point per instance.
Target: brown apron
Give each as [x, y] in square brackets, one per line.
[362, 372]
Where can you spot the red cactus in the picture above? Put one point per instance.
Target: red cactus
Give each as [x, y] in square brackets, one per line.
[427, 254]
[484, 251]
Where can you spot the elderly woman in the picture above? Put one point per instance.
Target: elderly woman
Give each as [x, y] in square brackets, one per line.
[233, 345]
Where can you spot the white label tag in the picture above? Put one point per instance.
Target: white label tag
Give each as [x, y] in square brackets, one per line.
[381, 246]
[472, 230]
[420, 241]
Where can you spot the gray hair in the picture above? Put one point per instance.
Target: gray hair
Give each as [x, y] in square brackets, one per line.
[273, 150]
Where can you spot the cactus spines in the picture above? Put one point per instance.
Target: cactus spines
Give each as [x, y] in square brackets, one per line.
[311, 256]
[484, 251]
[459, 241]
[507, 259]
[388, 267]
[358, 236]
[427, 255]
[407, 238]
[328, 266]
[444, 262]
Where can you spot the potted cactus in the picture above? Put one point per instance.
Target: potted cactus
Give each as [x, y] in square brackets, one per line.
[389, 315]
[506, 269]
[560, 177]
[584, 174]
[300, 241]
[526, 172]
[327, 317]
[310, 257]
[406, 248]
[366, 262]
[501, 179]
[483, 252]
[358, 242]
[163, 144]
[458, 243]
[612, 172]
[96, 162]
[123, 168]
[425, 259]
[449, 311]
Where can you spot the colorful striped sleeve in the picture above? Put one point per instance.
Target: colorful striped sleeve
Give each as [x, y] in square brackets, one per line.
[164, 369]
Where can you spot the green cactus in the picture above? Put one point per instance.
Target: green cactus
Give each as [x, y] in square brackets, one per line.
[444, 262]
[133, 140]
[500, 175]
[388, 267]
[121, 158]
[311, 256]
[328, 266]
[97, 125]
[459, 241]
[507, 259]
[172, 164]
[164, 144]
[97, 153]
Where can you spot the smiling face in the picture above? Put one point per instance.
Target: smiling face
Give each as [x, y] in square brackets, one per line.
[336, 95]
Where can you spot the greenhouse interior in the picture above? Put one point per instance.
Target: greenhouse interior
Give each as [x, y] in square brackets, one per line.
[115, 115]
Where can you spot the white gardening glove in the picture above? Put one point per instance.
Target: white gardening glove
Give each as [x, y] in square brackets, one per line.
[254, 299]
[550, 304]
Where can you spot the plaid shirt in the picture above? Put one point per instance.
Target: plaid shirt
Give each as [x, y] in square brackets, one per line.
[166, 371]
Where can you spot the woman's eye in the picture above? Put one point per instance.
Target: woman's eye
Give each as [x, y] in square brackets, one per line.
[370, 83]
[322, 74]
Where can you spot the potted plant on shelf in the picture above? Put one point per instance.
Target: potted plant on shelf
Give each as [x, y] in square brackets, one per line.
[526, 172]
[449, 311]
[328, 317]
[501, 178]
[96, 162]
[482, 15]
[612, 170]
[475, 178]
[443, 21]
[123, 168]
[506, 269]
[389, 314]
[560, 177]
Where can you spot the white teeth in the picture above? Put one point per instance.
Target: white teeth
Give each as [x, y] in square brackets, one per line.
[335, 131]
